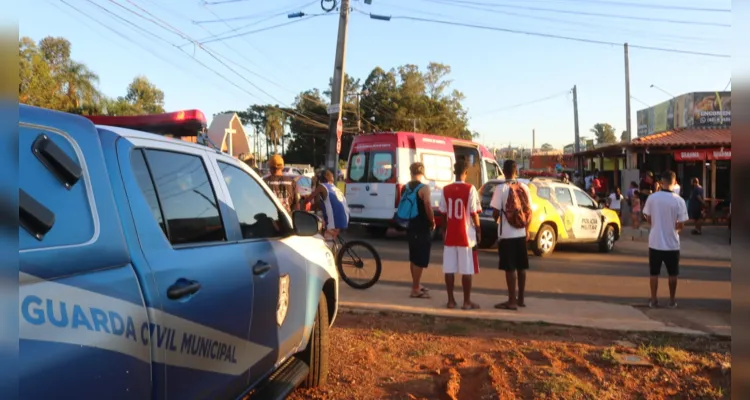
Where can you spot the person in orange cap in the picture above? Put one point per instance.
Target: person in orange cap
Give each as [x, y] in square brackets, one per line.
[284, 187]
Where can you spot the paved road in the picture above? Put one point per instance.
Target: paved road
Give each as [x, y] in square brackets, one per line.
[576, 273]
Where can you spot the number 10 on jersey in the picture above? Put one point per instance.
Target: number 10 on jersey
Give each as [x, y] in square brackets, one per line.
[456, 208]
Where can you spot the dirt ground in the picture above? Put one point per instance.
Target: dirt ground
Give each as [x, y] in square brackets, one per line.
[395, 356]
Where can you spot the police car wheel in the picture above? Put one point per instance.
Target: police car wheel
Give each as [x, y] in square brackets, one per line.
[545, 241]
[607, 243]
[316, 353]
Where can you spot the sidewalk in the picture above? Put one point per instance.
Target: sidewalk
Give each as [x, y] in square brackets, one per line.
[591, 314]
[713, 244]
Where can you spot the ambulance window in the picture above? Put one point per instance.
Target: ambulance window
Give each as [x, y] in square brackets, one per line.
[493, 171]
[381, 166]
[187, 197]
[437, 168]
[358, 167]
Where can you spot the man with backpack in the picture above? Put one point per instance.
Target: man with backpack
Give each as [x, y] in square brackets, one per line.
[460, 207]
[415, 213]
[511, 204]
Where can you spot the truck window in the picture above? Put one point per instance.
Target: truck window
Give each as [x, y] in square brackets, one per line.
[187, 198]
[258, 215]
[143, 177]
[437, 168]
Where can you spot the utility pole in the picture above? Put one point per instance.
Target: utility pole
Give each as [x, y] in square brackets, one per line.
[337, 91]
[533, 141]
[359, 116]
[629, 134]
[579, 161]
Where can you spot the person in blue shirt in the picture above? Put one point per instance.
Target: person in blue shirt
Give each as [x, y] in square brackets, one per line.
[332, 204]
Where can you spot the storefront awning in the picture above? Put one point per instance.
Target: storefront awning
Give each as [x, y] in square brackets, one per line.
[687, 138]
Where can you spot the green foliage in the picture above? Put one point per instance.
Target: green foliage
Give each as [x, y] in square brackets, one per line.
[401, 99]
[547, 147]
[50, 78]
[604, 133]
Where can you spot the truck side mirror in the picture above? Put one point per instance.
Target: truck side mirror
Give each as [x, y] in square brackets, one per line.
[306, 224]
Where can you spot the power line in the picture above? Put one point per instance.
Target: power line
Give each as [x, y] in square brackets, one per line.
[652, 6]
[294, 21]
[461, 3]
[174, 30]
[286, 11]
[563, 21]
[728, 83]
[553, 36]
[550, 97]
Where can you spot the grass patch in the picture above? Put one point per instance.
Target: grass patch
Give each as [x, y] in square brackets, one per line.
[667, 356]
[608, 355]
[556, 385]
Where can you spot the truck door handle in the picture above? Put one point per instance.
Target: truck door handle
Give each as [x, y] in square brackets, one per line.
[261, 267]
[373, 194]
[182, 288]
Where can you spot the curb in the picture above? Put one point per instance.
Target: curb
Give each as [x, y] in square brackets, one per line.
[361, 308]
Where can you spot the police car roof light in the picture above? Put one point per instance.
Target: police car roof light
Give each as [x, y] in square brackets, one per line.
[177, 124]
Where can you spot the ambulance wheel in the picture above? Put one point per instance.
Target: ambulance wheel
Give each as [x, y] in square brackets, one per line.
[377, 231]
[316, 353]
[545, 241]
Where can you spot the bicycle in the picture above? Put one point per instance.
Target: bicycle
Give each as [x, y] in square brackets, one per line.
[342, 248]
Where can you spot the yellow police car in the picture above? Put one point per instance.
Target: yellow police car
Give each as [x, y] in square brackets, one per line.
[562, 213]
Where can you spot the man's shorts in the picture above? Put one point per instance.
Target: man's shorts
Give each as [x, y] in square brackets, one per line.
[513, 253]
[670, 259]
[460, 260]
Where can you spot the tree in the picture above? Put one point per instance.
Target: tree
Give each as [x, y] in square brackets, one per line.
[604, 133]
[624, 136]
[547, 147]
[50, 78]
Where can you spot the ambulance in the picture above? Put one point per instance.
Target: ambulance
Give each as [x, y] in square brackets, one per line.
[378, 168]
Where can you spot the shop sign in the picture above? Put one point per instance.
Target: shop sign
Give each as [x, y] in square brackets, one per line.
[690, 155]
[720, 154]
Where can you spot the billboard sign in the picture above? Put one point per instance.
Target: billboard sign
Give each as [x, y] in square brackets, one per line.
[712, 109]
[701, 109]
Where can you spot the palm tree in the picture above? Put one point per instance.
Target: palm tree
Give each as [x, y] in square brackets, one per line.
[79, 85]
[274, 128]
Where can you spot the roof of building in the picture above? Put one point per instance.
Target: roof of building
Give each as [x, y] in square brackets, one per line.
[687, 137]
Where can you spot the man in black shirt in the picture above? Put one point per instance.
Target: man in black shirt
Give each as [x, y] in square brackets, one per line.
[284, 187]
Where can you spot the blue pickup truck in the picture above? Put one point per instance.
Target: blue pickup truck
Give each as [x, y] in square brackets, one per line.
[154, 268]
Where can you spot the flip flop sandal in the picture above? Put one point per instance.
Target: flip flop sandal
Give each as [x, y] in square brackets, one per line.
[505, 306]
[420, 295]
[451, 306]
[472, 306]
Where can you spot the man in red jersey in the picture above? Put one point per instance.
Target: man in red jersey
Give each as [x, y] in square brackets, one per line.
[460, 207]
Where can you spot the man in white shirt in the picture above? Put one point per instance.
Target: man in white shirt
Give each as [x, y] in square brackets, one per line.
[513, 233]
[667, 214]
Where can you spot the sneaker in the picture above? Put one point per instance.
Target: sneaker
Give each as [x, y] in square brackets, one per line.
[653, 304]
[672, 304]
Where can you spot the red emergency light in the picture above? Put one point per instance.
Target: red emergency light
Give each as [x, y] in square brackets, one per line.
[177, 124]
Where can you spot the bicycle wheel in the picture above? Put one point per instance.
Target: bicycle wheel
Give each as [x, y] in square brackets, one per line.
[350, 258]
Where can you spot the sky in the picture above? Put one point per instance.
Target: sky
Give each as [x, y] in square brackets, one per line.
[513, 82]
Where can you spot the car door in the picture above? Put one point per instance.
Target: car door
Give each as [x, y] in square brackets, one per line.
[280, 301]
[562, 200]
[204, 280]
[587, 222]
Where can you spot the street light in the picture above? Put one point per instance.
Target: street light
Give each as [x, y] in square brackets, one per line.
[663, 91]
[380, 17]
